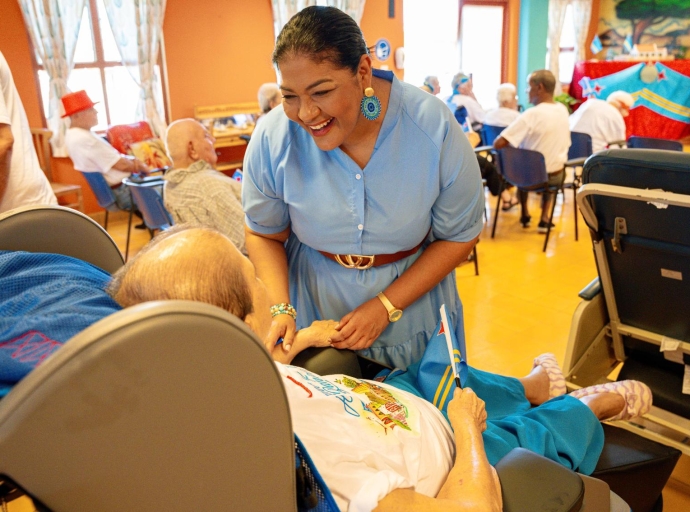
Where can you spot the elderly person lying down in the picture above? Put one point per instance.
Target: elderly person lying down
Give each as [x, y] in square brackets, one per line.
[378, 445]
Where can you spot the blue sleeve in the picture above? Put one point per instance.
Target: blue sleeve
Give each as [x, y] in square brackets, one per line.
[457, 214]
[262, 193]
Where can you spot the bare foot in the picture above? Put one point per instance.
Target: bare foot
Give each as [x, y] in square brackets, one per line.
[604, 405]
[536, 385]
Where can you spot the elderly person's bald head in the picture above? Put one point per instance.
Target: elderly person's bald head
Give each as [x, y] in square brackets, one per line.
[188, 141]
[186, 263]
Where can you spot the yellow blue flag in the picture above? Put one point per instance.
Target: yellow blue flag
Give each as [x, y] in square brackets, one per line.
[441, 363]
[596, 45]
[628, 43]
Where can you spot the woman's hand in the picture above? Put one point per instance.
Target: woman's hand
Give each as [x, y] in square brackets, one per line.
[359, 329]
[466, 408]
[282, 326]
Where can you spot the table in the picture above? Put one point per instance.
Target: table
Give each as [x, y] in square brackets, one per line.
[643, 121]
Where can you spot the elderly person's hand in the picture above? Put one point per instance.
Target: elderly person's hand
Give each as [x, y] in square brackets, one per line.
[360, 328]
[466, 409]
[318, 334]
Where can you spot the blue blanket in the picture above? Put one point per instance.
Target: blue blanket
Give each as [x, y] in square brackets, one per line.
[45, 299]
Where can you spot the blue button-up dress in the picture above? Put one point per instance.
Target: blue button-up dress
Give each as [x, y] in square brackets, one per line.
[421, 183]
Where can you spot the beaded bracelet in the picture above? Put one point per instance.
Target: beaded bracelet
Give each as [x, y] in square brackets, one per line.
[284, 308]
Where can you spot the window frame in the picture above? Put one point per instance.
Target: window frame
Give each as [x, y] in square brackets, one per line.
[101, 64]
[504, 28]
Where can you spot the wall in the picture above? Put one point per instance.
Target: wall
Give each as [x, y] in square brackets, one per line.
[534, 25]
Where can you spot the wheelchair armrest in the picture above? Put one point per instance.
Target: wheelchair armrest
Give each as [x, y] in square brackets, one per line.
[532, 482]
[329, 361]
[591, 290]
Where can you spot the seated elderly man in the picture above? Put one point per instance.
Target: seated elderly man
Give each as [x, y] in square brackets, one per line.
[90, 153]
[507, 110]
[431, 85]
[269, 97]
[543, 128]
[463, 96]
[195, 193]
[603, 120]
[412, 459]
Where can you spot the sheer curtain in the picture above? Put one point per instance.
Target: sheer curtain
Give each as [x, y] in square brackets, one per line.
[354, 8]
[283, 10]
[582, 13]
[556, 19]
[53, 26]
[137, 26]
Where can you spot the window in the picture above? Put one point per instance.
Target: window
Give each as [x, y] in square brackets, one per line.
[566, 57]
[99, 71]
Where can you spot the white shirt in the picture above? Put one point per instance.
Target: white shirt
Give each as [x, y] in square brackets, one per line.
[90, 153]
[501, 116]
[26, 183]
[543, 128]
[475, 112]
[601, 120]
[366, 438]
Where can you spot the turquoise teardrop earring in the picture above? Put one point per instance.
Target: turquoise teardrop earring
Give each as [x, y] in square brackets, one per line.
[370, 106]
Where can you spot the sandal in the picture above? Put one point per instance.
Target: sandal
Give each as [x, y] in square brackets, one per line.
[637, 396]
[556, 379]
[507, 206]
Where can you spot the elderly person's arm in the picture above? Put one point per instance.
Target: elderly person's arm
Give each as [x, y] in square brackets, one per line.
[6, 143]
[128, 163]
[318, 334]
[472, 484]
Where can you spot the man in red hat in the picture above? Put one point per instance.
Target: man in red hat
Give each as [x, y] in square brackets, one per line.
[22, 181]
[90, 153]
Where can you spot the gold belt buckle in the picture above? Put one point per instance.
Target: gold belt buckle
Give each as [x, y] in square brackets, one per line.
[356, 261]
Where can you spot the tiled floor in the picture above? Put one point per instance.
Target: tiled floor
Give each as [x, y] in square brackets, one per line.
[521, 303]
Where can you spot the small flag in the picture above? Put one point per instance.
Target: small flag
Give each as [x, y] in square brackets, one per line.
[628, 43]
[437, 376]
[596, 45]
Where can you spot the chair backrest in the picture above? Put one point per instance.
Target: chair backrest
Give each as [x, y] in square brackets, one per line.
[150, 204]
[59, 230]
[41, 138]
[101, 189]
[123, 135]
[580, 145]
[635, 142]
[163, 406]
[524, 168]
[490, 133]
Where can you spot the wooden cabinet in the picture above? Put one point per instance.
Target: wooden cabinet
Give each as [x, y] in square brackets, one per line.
[232, 125]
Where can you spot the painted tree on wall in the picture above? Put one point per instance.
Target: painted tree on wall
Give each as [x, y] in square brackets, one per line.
[645, 13]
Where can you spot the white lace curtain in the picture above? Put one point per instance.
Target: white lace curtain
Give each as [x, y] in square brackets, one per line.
[53, 26]
[137, 26]
[283, 10]
[582, 14]
[556, 20]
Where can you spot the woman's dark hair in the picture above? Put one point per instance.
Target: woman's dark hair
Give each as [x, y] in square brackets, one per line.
[322, 33]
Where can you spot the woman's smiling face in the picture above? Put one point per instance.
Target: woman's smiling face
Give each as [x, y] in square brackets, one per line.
[323, 98]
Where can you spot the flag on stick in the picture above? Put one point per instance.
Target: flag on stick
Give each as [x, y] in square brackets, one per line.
[442, 366]
[628, 43]
[596, 45]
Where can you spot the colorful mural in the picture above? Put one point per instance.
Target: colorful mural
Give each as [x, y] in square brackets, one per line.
[665, 23]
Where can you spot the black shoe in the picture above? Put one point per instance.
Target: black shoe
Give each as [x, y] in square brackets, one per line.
[525, 221]
[140, 226]
[543, 227]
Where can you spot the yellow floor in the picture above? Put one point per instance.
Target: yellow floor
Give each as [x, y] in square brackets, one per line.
[521, 303]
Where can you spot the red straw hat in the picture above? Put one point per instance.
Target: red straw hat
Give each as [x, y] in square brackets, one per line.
[74, 102]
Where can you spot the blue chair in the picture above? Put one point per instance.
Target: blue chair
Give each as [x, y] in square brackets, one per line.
[526, 170]
[490, 133]
[106, 200]
[150, 204]
[650, 143]
[580, 150]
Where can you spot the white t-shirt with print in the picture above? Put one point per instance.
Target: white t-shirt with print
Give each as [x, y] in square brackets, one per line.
[366, 438]
[600, 120]
[90, 153]
[543, 128]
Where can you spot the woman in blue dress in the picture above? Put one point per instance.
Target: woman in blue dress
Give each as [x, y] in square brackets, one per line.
[362, 195]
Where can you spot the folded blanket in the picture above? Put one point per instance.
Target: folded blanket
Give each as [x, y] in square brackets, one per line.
[45, 299]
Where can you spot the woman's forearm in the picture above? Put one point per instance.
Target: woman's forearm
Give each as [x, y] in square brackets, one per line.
[436, 262]
[267, 253]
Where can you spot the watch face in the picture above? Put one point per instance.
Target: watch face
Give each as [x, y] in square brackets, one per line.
[395, 315]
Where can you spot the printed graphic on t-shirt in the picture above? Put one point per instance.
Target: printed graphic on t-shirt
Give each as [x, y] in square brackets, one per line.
[387, 409]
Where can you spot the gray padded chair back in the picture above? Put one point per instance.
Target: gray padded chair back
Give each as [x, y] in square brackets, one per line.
[60, 230]
[163, 406]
